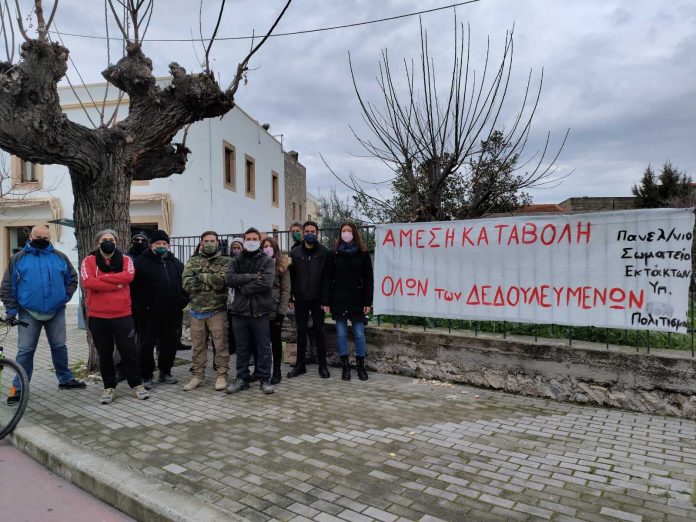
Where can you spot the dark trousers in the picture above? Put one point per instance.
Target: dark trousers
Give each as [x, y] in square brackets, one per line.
[158, 328]
[275, 328]
[230, 337]
[106, 332]
[252, 333]
[303, 309]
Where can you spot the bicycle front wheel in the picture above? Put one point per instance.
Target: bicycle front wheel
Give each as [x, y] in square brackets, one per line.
[12, 406]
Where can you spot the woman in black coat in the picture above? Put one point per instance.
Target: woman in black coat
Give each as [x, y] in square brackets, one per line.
[350, 296]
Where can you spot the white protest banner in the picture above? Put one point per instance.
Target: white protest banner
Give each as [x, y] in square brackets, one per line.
[623, 269]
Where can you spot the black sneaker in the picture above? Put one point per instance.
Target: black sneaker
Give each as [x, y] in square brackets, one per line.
[72, 384]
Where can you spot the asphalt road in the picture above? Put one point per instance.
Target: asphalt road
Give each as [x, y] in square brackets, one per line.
[31, 493]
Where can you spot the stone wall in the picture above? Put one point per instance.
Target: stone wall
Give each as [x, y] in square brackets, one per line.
[661, 382]
[295, 189]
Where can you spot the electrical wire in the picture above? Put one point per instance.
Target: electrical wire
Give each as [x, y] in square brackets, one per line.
[293, 33]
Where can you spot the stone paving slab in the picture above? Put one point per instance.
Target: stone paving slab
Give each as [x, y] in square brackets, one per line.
[392, 448]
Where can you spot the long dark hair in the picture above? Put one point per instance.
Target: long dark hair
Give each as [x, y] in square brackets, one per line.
[356, 236]
[280, 260]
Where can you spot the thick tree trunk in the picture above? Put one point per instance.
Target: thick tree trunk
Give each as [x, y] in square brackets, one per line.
[102, 200]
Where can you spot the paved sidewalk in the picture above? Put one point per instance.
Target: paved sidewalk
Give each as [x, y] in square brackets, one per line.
[386, 449]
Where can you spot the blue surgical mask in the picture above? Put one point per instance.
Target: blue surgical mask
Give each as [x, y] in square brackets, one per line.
[310, 238]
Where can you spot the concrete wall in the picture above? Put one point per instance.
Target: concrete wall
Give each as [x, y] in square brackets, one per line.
[597, 204]
[662, 382]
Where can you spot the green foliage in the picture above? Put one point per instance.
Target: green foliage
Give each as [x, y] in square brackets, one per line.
[670, 189]
[433, 190]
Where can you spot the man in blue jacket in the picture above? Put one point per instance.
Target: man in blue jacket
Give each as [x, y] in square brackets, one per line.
[37, 283]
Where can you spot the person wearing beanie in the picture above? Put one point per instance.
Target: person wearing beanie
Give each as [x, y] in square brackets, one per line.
[159, 297]
[236, 248]
[139, 244]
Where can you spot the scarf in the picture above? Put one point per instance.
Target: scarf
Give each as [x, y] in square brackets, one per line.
[347, 249]
[116, 264]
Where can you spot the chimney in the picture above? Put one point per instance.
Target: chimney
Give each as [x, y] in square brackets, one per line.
[294, 155]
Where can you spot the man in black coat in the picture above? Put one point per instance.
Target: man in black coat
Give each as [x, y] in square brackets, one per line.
[158, 298]
[251, 276]
[309, 291]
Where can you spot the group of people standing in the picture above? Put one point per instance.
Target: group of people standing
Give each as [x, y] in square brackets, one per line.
[135, 301]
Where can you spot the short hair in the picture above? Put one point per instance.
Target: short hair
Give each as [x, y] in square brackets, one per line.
[310, 223]
[209, 233]
[296, 224]
[104, 232]
[252, 230]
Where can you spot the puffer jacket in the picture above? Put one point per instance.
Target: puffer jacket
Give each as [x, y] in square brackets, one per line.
[41, 280]
[204, 281]
[251, 276]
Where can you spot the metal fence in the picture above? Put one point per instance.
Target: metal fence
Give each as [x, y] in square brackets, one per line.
[184, 247]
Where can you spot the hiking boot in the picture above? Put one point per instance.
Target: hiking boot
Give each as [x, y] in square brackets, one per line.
[360, 366]
[108, 395]
[15, 396]
[221, 382]
[194, 383]
[266, 388]
[72, 384]
[147, 384]
[167, 378]
[237, 385]
[345, 365]
[297, 371]
[141, 393]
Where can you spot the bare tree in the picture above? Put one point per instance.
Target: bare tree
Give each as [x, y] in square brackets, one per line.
[438, 142]
[103, 161]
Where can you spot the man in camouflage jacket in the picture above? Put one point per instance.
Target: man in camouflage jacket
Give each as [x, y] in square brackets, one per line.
[204, 280]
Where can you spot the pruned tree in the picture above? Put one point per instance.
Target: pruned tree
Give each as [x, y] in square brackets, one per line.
[670, 188]
[451, 154]
[102, 161]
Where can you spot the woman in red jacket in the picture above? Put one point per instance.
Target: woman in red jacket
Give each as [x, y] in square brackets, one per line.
[106, 274]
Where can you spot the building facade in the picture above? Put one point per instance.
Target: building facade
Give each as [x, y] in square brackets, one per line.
[235, 179]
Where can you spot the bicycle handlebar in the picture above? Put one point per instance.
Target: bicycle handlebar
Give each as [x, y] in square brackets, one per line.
[13, 321]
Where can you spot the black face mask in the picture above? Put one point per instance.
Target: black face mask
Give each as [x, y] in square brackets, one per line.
[137, 248]
[107, 247]
[40, 243]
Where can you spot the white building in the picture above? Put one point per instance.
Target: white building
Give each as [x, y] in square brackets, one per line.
[234, 180]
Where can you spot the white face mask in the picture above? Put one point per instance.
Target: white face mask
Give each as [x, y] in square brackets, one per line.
[251, 245]
[347, 236]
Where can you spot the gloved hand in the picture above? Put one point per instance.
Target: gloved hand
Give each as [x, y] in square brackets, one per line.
[10, 318]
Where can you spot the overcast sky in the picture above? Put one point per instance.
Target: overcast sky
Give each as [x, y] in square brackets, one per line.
[621, 75]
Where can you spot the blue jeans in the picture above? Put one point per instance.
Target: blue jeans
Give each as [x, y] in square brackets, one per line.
[28, 338]
[358, 335]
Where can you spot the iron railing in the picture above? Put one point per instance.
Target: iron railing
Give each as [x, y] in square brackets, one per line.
[183, 248]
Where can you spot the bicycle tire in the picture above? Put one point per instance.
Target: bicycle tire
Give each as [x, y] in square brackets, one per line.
[6, 429]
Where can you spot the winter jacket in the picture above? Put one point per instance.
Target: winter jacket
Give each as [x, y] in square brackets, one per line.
[204, 281]
[157, 285]
[251, 276]
[307, 273]
[108, 293]
[41, 280]
[280, 293]
[351, 283]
